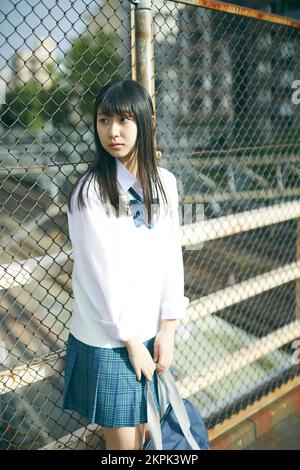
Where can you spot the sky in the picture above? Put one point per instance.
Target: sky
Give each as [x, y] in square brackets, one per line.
[23, 22]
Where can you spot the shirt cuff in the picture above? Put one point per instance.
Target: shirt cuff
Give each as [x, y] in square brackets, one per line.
[169, 310]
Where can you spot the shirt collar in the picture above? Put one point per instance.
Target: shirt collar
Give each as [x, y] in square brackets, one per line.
[125, 178]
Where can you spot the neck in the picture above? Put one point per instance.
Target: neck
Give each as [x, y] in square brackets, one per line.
[131, 165]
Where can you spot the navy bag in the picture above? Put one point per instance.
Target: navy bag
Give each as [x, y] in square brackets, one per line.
[181, 426]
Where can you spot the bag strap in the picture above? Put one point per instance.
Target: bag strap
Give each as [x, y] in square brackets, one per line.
[162, 397]
[153, 421]
[179, 409]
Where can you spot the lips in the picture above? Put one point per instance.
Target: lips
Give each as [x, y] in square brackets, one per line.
[116, 145]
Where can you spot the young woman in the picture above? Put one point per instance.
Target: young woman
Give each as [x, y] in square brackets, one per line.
[128, 278]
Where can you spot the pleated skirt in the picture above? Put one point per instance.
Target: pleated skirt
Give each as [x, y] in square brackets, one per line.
[101, 384]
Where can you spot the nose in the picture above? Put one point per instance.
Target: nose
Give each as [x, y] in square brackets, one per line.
[114, 129]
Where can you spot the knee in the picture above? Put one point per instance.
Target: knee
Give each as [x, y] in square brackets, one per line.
[123, 445]
[123, 439]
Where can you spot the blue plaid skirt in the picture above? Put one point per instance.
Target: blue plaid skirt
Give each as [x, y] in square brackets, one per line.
[100, 384]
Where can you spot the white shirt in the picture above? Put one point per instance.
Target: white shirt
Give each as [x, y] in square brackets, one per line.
[125, 278]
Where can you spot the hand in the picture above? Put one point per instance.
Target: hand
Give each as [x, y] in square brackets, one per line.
[140, 358]
[163, 350]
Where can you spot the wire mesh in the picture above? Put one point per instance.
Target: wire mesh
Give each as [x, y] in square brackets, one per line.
[60, 55]
[228, 130]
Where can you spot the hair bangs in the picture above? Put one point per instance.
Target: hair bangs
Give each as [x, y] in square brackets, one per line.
[116, 102]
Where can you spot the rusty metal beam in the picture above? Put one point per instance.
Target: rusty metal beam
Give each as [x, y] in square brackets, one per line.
[242, 11]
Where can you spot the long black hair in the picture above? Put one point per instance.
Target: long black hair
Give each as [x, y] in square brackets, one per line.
[125, 98]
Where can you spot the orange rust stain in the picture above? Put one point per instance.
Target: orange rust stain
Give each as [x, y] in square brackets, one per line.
[142, 35]
[243, 11]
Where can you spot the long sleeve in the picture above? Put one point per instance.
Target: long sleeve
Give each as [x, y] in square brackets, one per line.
[100, 281]
[173, 301]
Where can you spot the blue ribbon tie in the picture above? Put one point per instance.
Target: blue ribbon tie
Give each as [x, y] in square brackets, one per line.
[138, 210]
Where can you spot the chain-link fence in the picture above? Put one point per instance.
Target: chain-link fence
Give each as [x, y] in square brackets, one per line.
[227, 128]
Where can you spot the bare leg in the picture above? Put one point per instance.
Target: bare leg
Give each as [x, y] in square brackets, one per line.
[146, 436]
[123, 438]
[126, 438]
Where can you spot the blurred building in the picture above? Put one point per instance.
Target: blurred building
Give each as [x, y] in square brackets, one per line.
[27, 64]
[113, 18]
[193, 67]
[207, 63]
[290, 8]
[5, 83]
[275, 73]
[217, 72]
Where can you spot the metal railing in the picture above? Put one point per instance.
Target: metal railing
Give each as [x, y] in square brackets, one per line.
[221, 80]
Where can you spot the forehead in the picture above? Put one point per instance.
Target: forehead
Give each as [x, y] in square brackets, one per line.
[115, 105]
[105, 113]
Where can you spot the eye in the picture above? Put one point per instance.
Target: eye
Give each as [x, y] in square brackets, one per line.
[102, 120]
[126, 118]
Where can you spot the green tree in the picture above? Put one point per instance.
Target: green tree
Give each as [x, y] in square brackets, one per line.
[57, 104]
[92, 62]
[24, 106]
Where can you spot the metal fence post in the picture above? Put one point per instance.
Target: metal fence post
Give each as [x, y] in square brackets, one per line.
[144, 44]
[142, 49]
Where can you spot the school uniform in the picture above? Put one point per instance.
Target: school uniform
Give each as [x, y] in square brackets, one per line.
[126, 278]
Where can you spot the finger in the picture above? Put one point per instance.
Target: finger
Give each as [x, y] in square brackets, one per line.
[138, 376]
[162, 370]
[162, 367]
[155, 352]
[162, 364]
[149, 373]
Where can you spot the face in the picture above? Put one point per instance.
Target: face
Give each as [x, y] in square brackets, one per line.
[119, 130]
